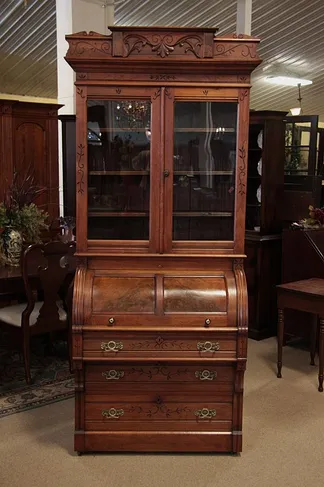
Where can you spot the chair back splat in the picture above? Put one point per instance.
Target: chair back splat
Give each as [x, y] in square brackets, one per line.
[51, 263]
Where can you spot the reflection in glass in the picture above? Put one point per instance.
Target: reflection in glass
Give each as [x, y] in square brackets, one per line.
[297, 142]
[119, 169]
[204, 170]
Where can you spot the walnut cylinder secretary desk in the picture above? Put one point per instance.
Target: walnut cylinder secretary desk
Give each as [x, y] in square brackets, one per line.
[160, 299]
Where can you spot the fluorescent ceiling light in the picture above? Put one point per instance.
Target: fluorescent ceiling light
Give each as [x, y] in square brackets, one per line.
[288, 81]
[295, 111]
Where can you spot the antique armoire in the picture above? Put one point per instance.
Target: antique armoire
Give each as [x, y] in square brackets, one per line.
[160, 299]
[29, 145]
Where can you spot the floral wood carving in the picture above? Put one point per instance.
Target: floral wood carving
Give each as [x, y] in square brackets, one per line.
[242, 168]
[205, 92]
[157, 93]
[168, 93]
[162, 77]
[163, 45]
[80, 92]
[243, 94]
[160, 409]
[81, 75]
[80, 164]
[118, 91]
[78, 48]
[161, 344]
[225, 50]
[158, 369]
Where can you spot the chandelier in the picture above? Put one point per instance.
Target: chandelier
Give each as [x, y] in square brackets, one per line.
[132, 113]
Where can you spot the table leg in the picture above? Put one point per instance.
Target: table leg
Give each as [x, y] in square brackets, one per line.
[313, 340]
[280, 340]
[320, 355]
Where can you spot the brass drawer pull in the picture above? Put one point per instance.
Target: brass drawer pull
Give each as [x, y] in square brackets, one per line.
[113, 374]
[112, 413]
[207, 322]
[208, 346]
[205, 413]
[205, 374]
[111, 346]
[111, 321]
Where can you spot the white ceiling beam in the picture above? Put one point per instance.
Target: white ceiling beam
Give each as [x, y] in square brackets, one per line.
[244, 17]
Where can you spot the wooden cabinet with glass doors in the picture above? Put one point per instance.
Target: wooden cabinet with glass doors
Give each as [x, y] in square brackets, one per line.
[160, 303]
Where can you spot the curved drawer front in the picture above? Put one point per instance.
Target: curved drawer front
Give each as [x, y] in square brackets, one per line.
[161, 300]
[195, 294]
[144, 411]
[112, 376]
[202, 345]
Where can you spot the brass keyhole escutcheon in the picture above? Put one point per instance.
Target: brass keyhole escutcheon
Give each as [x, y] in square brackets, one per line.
[207, 322]
[111, 321]
[166, 173]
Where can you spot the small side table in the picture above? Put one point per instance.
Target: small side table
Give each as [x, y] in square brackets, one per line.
[306, 295]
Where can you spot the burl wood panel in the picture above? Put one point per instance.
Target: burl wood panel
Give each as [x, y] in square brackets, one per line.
[195, 294]
[120, 294]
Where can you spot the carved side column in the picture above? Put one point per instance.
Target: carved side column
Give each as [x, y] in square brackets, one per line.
[77, 354]
[242, 324]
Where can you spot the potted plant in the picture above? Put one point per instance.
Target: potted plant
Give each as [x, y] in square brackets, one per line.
[21, 221]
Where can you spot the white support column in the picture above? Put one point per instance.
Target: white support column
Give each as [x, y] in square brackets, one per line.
[75, 16]
[244, 17]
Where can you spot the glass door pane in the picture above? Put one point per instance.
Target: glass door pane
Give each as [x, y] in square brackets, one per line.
[297, 148]
[119, 169]
[204, 170]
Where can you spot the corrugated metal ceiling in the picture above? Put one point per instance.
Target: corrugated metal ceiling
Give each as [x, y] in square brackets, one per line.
[291, 31]
[28, 48]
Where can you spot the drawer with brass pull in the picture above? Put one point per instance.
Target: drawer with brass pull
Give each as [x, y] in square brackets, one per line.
[146, 411]
[192, 344]
[159, 375]
[120, 321]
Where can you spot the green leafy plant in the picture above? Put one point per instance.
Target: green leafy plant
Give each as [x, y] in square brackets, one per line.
[18, 210]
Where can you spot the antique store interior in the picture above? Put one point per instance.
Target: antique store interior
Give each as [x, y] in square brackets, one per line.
[161, 231]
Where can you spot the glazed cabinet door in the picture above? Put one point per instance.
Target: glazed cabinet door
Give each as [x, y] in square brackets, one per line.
[201, 159]
[121, 175]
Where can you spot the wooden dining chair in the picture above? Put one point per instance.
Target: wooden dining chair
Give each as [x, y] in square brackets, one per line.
[47, 271]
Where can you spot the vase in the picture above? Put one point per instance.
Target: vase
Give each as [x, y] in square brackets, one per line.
[12, 242]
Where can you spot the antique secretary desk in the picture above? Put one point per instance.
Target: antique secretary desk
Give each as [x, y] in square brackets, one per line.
[160, 300]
